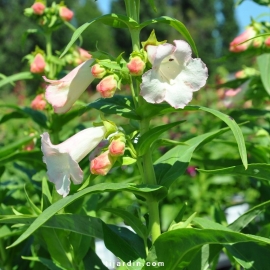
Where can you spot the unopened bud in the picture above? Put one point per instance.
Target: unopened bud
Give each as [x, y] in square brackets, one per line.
[267, 42]
[117, 148]
[38, 8]
[65, 13]
[240, 74]
[102, 164]
[98, 71]
[38, 103]
[38, 65]
[107, 86]
[136, 66]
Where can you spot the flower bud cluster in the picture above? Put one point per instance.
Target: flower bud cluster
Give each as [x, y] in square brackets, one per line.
[108, 84]
[103, 163]
[49, 16]
[249, 39]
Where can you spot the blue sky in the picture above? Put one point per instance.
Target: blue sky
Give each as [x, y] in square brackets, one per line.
[243, 13]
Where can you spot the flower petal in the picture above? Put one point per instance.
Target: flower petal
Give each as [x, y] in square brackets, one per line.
[194, 74]
[153, 89]
[60, 166]
[62, 159]
[156, 54]
[63, 93]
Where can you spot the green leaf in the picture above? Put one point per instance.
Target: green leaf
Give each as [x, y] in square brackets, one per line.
[177, 25]
[235, 130]
[46, 262]
[134, 222]
[114, 20]
[175, 162]
[250, 255]
[182, 241]
[242, 221]
[15, 146]
[103, 187]
[16, 77]
[33, 206]
[256, 170]
[146, 140]
[151, 110]
[25, 112]
[120, 105]
[264, 68]
[152, 4]
[129, 246]
[32, 157]
[58, 245]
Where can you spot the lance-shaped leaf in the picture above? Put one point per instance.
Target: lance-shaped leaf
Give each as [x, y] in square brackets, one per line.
[114, 20]
[148, 138]
[264, 67]
[177, 25]
[49, 212]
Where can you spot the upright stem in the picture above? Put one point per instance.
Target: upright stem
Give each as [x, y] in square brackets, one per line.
[133, 11]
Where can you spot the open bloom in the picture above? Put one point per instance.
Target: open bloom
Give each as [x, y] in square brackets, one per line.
[62, 159]
[174, 75]
[62, 94]
[236, 47]
[38, 65]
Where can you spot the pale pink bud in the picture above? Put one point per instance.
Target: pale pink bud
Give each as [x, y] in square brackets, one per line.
[236, 47]
[267, 42]
[85, 55]
[38, 103]
[102, 164]
[65, 13]
[38, 8]
[240, 74]
[38, 64]
[117, 148]
[232, 92]
[98, 71]
[107, 86]
[136, 66]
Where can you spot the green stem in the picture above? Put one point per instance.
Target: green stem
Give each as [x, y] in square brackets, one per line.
[150, 178]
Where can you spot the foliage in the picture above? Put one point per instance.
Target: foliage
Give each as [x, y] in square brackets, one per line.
[171, 174]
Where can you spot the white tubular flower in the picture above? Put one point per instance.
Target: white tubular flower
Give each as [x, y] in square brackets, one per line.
[174, 75]
[62, 94]
[62, 159]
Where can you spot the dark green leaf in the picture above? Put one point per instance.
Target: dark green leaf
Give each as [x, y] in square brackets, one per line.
[121, 105]
[146, 140]
[182, 241]
[175, 162]
[48, 263]
[16, 77]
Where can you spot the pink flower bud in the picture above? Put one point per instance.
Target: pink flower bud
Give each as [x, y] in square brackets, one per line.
[38, 64]
[267, 42]
[136, 66]
[240, 74]
[235, 45]
[66, 14]
[102, 164]
[107, 86]
[98, 71]
[117, 148]
[38, 103]
[38, 8]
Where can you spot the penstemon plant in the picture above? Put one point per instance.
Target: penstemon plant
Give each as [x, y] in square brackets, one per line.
[161, 78]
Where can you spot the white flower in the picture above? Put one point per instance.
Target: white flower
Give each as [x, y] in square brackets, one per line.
[62, 94]
[62, 159]
[174, 75]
